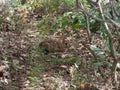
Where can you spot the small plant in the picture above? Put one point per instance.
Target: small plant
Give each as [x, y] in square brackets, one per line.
[108, 16]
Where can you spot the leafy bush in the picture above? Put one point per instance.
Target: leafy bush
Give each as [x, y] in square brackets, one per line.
[108, 16]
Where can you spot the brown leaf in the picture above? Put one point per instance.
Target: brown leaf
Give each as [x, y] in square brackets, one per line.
[2, 68]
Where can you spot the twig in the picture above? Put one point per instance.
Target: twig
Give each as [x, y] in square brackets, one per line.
[114, 66]
[82, 9]
[88, 27]
[112, 21]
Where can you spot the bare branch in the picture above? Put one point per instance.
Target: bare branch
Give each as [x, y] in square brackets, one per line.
[110, 40]
[93, 3]
[82, 9]
[88, 27]
[112, 21]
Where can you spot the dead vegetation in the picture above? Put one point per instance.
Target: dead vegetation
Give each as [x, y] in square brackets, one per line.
[58, 60]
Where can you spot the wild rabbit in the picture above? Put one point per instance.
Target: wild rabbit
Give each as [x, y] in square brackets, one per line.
[54, 45]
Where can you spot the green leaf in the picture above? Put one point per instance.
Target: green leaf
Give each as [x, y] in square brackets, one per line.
[67, 13]
[92, 21]
[117, 53]
[102, 56]
[74, 26]
[96, 65]
[82, 24]
[64, 23]
[109, 64]
[107, 46]
[104, 35]
[103, 32]
[32, 78]
[93, 47]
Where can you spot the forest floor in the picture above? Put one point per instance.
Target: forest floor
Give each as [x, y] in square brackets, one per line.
[28, 68]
